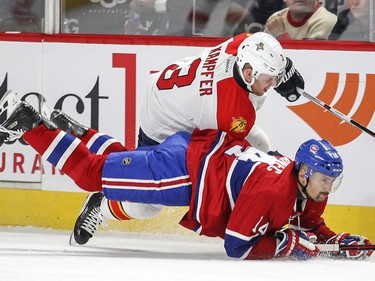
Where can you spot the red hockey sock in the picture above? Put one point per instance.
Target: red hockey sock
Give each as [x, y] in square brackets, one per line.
[92, 135]
[78, 163]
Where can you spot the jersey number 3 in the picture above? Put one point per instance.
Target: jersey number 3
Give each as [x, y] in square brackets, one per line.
[177, 75]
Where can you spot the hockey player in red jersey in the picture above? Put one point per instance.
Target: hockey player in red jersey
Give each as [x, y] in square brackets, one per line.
[221, 88]
[234, 191]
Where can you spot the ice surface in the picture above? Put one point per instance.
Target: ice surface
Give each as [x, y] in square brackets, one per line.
[28, 253]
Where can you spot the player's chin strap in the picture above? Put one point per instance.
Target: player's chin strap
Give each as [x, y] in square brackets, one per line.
[303, 188]
[247, 84]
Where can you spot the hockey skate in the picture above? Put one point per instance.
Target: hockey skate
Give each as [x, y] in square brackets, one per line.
[88, 220]
[23, 118]
[67, 124]
[54, 116]
[8, 102]
[20, 117]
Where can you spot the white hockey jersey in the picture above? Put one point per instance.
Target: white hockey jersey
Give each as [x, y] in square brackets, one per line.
[200, 92]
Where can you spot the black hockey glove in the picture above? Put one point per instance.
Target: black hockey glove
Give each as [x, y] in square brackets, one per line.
[291, 80]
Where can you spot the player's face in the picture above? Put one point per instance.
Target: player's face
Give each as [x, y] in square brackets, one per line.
[320, 186]
[263, 83]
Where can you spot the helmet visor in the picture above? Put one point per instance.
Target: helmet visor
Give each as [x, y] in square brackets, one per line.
[280, 77]
[274, 81]
[268, 80]
[327, 183]
[336, 183]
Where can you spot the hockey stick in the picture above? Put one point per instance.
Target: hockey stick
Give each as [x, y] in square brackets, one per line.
[338, 247]
[339, 114]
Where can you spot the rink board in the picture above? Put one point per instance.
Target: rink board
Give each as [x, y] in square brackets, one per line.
[101, 82]
[77, 74]
[58, 210]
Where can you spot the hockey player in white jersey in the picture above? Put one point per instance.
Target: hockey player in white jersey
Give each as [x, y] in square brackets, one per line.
[219, 89]
[222, 88]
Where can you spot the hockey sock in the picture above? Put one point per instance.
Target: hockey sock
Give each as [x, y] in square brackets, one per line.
[113, 210]
[101, 144]
[68, 154]
[125, 210]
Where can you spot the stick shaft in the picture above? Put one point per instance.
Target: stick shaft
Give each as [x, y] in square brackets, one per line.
[338, 247]
[339, 114]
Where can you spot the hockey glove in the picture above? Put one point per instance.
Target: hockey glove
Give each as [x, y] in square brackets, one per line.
[350, 239]
[292, 79]
[294, 244]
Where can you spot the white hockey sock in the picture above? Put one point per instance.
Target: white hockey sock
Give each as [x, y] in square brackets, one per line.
[116, 210]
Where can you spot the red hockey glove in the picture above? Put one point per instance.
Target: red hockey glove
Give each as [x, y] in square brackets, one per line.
[294, 244]
[292, 80]
[350, 239]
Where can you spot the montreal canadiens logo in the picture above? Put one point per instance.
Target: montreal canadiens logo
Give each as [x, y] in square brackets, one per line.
[238, 125]
[314, 148]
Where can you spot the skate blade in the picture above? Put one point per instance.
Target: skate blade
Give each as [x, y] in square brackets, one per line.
[72, 241]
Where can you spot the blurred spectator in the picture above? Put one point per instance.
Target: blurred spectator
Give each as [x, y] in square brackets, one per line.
[21, 15]
[353, 23]
[94, 16]
[186, 17]
[332, 5]
[258, 14]
[144, 19]
[177, 14]
[302, 19]
[157, 17]
[216, 17]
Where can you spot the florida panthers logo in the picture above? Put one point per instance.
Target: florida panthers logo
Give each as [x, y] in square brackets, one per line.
[238, 125]
[260, 46]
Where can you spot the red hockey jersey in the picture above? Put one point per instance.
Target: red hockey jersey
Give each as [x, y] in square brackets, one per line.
[244, 195]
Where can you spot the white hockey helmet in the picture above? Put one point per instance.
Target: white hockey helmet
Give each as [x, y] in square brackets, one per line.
[265, 56]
